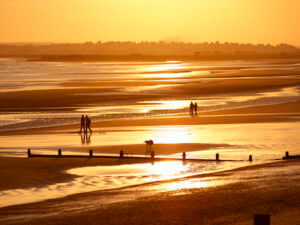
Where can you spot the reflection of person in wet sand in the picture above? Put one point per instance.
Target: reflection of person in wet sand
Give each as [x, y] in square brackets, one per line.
[82, 138]
[88, 139]
[192, 109]
[85, 138]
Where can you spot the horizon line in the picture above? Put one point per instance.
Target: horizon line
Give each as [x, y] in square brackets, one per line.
[139, 42]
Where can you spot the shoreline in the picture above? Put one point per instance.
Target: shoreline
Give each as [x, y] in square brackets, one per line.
[285, 112]
[151, 199]
[38, 173]
[39, 176]
[43, 171]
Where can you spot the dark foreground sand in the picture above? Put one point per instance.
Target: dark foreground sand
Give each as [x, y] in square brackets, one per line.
[19, 173]
[257, 189]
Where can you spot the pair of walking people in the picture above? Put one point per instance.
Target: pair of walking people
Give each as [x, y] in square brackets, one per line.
[85, 124]
[193, 109]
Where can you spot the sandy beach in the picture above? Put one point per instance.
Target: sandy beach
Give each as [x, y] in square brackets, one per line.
[149, 112]
[243, 108]
[252, 189]
[269, 113]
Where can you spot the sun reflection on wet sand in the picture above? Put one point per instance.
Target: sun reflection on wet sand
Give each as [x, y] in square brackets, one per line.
[267, 141]
[190, 184]
[167, 70]
[161, 170]
[24, 120]
[173, 134]
[167, 75]
[164, 105]
[167, 66]
[110, 177]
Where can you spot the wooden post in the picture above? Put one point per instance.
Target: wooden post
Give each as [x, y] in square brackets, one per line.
[286, 154]
[183, 155]
[250, 158]
[91, 153]
[121, 154]
[261, 219]
[28, 152]
[217, 157]
[152, 154]
[59, 152]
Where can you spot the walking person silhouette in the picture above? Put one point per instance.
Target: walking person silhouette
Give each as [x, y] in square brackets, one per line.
[82, 125]
[192, 109]
[88, 124]
[196, 108]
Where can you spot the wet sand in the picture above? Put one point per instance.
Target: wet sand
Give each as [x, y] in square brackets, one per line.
[255, 189]
[76, 94]
[36, 100]
[19, 173]
[233, 203]
[287, 112]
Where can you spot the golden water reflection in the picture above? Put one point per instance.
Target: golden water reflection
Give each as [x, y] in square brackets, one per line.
[190, 184]
[164, 105]
[168, 70]
[157, 170]
[111, 177]
[166, 67]
[264, 141]
[106, 177]
[172, 134]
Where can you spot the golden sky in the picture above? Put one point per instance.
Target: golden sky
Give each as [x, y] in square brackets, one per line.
[247, 21]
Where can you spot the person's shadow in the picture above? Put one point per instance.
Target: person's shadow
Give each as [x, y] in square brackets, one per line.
[85, 138]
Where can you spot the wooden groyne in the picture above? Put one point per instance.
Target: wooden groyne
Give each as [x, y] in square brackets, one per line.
[288, 156]
[135, 157]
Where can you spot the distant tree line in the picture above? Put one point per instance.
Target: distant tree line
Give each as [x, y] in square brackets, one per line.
[135, 49]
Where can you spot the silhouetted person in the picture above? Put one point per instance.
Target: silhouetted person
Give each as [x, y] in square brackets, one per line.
[192, 109]
[88, 124]
[82, 126]
[196, 108]
[149, 144]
